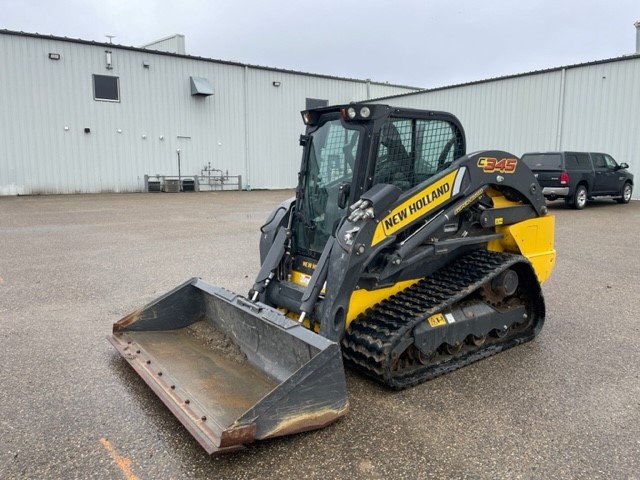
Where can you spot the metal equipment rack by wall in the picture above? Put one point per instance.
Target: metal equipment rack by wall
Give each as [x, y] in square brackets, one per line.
[191, 183]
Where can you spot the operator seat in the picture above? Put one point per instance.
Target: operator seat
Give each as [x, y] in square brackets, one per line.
[396, 168]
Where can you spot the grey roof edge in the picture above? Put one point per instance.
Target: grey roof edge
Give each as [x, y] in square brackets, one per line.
[163, 39]
[168, 37]
[194, 57]
[622, 58]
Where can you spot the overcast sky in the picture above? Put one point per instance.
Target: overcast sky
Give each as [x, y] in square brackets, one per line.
[423, 43]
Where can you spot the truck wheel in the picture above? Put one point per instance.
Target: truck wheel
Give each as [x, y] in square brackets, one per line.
[625, 195]
[579, 198]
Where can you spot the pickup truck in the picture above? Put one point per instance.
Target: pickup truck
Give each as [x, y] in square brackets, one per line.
[579, 176]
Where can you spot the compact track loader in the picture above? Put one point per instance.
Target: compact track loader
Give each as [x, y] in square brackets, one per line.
[400, 254]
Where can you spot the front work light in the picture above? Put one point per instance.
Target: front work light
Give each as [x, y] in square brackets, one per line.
[306, 117]
[358, 112]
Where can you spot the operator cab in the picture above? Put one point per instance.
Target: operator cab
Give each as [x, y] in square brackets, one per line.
[348, 149]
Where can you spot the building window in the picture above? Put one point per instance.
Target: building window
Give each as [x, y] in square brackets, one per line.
[106, 88]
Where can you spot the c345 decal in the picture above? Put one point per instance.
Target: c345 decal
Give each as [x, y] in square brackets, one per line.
[491, 164]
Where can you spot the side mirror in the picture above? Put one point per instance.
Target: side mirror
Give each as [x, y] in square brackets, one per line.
[624, 165]
[343, 195]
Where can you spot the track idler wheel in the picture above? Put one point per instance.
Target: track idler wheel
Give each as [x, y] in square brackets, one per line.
[423, 358]
[453, 349]
[500, 332]
[505, 284]
[476, 341]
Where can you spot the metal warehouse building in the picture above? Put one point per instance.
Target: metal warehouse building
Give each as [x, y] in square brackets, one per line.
[587, 107]
[81, 116]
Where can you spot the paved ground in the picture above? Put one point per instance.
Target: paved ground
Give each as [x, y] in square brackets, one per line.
[564, 406]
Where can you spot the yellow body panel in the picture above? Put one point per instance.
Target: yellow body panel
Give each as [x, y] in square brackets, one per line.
[531, 238]
[360, 300]
[363, 299]
[300, 278]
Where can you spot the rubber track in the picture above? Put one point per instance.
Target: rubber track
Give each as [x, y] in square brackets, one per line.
[372, 336]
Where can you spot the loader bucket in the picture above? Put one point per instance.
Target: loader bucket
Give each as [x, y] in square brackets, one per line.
[232, 371]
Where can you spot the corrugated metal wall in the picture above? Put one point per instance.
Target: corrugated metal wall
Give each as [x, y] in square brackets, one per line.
[593, 107]
[274, 113]
[249, 126]
[602, 111]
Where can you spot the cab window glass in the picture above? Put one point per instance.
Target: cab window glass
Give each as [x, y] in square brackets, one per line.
[583, 160]
[541, 161]
[611, 163]
[598, 160]
[332, 154]
[571, 160]
[395, 156]
[411, 151]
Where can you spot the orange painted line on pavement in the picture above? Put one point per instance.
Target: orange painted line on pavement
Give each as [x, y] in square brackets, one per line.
[123, 463]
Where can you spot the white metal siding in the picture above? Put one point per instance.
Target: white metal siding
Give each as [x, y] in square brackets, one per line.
[39, 97]
[596, 108]
[250, 127]
[604, 113]
[274, 122]
[506, 114]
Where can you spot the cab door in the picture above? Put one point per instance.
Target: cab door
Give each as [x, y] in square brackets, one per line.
[603, 175]
[614, 179]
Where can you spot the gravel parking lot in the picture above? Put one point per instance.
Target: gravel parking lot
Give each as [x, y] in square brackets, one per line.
[564, 406]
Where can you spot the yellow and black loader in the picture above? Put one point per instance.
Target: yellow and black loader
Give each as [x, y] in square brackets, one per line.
[400, 254]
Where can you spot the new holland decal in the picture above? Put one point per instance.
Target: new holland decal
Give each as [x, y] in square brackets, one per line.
[424, 201]
[416, 206]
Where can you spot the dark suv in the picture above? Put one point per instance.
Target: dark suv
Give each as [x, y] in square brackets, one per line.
[578, 176]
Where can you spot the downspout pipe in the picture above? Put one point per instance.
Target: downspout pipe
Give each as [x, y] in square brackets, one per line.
[246, 128]
[561, 109]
